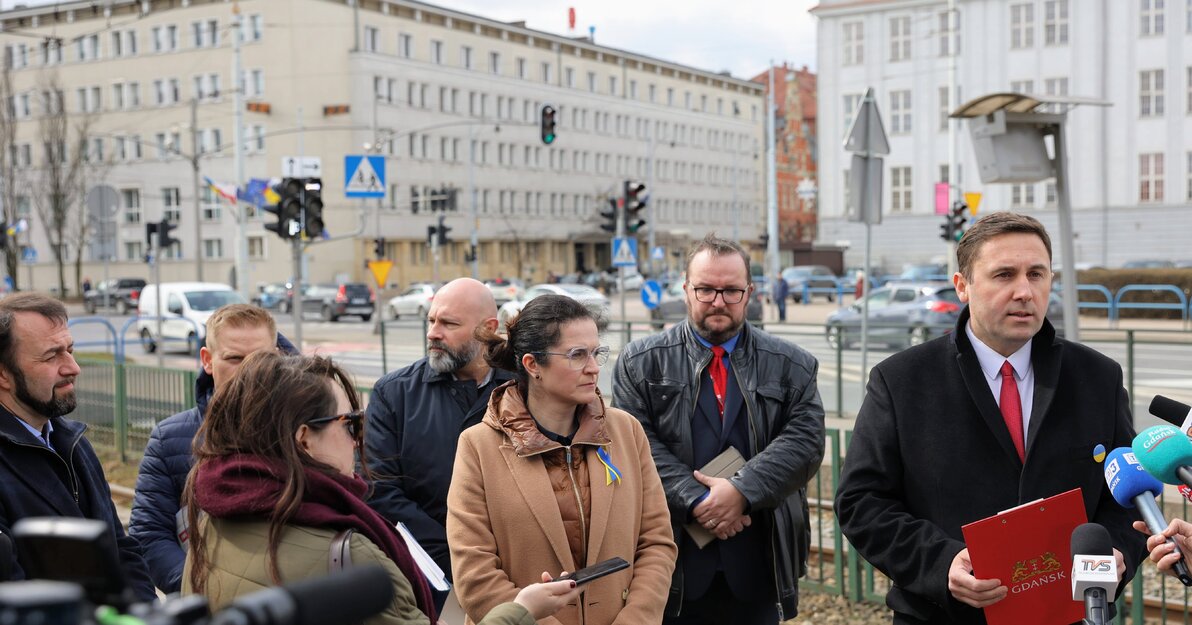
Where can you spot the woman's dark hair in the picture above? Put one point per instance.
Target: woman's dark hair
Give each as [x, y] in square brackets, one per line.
[533, 331]
[258, 412]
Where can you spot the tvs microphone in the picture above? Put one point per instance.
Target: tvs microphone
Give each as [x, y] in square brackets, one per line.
[1132, 487]
[1165, 453]
[1176, 413]
[1094, 571]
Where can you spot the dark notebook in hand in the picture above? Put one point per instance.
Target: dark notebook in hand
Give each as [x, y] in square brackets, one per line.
[724, 465]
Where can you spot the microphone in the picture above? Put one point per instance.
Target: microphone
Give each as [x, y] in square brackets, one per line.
[1165, 453]
[1132, 487]
[1176, 413]
[338, 599]
[1094, 571]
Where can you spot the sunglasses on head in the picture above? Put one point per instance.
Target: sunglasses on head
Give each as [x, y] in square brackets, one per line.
[354, 421]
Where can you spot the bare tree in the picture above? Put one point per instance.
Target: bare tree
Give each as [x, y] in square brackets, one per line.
[8, 166]
[57, 195]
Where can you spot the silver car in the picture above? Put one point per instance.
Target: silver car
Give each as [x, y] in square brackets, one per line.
[593, 299]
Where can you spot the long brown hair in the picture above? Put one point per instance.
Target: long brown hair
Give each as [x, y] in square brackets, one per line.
[258, 412]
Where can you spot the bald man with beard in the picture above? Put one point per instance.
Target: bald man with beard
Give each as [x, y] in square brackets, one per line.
[416, 414]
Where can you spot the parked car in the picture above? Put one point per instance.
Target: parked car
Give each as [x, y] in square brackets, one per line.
[590, 297]
[924, 273]
[902, 314]
[276, 296]
[185, 307]
[123, 294]
[814, 276]
[673, 305]
[414, 301]
[1148, 264]
[504, 289]
[334, 301]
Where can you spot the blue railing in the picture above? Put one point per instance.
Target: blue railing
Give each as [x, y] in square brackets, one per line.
[1180, 306]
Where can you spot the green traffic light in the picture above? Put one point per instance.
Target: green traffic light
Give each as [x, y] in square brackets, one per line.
[548, 139]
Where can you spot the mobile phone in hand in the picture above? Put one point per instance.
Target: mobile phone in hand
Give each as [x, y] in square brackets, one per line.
[596, 571]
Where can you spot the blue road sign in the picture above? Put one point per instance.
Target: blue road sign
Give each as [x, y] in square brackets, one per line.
[651, 294]
[29, 254]
[624, 252]
[658, 253]
[364, 176]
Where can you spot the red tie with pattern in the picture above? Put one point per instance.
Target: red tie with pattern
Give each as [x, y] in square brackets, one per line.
[1011, 405]
[719, 377]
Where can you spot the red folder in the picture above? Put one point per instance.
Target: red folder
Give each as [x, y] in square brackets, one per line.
[1028, 548]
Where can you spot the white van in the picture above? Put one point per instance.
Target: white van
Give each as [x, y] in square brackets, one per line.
[185, 307]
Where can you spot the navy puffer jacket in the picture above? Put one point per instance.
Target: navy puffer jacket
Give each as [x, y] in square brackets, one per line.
[162, 477]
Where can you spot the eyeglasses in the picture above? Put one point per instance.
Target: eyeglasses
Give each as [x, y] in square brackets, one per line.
[707, 294]
[354, 420]
[577, 357]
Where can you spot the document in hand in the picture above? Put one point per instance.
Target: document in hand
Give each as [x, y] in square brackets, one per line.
[724, 465]
[432, 572]
[1028, 548]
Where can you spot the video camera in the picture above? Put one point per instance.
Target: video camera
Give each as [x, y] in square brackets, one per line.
[75, 579]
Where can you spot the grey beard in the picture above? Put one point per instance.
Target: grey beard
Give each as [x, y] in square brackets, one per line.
[713, 337]
[449, 360]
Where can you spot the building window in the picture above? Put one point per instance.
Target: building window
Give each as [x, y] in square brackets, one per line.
[1022, 25]
[131, 201]
[854, 43]
[1150, 177]
[852, 102]
[212, 210]
[494, 63]
[546, 72]
[87, 47]
[436, 52]
[900, 189]
[1022, 86]
[372, 39]
[521, 68]
[256, 248]
[1055, 22]
[212, 248]
[256, 27]
[900, 112]
[900, 38]
[171, 202]
[1150, 93]
[949, 27]
[1022, 196]
[1151, 15]
[1055, 86]
[1189, 181]
[465, 57]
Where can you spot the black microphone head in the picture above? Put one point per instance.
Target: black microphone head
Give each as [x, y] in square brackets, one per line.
[342, 598]
[1170, 410]
[1091, 539]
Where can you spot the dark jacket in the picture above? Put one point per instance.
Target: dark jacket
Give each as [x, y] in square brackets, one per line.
[162, 478]
[36, 482]
[657, 379]
[415, 417]
[930, 452]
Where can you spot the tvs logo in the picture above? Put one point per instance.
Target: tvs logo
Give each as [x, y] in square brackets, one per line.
[1035, 567]
[1094, 565]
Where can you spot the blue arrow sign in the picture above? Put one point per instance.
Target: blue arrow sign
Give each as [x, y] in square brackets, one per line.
[364, 176]
[651, 294]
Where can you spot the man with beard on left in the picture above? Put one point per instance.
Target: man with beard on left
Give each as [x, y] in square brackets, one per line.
[416, 414]
[47, 467]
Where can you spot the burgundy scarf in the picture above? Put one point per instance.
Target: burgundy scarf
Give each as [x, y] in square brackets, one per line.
[246, 485]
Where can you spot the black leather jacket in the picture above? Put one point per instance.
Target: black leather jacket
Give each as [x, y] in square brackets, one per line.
[657, 380]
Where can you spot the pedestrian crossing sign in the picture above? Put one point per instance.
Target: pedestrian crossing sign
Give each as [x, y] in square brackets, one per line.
[364, 176]
[624, 252]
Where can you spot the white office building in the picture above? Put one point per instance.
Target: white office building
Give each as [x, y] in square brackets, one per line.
[1130, 163]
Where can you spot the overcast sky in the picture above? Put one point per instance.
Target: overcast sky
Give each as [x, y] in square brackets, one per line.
[740, 36]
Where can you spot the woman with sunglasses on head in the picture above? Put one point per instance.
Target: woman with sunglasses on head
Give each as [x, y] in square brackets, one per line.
[275, 481]
[553, 479]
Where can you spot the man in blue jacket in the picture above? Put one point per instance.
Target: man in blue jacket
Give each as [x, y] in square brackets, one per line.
[415, 416]
[233, 332]
[47, 467]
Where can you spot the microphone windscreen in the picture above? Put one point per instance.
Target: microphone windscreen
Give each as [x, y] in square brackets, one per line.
[343, 598]
[1161, 450]
[1127, 479]
[1091, 539]
[1170, 410]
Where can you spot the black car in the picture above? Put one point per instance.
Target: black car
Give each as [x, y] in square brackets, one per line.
[121, 293]
[334, 301]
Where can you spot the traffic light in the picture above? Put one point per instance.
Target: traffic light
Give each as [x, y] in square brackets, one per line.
[443, 230]
[635, 202]
[470, 255]
[547, 120]
[312, 207]
[164, 240]
[611, 216]
[150, 234]
[379, 247]
[288, 208]
[764, 238]
[946, 229]
[431, 235]
[957, 220]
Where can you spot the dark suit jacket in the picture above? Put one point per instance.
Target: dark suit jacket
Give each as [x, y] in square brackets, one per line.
[930, 453]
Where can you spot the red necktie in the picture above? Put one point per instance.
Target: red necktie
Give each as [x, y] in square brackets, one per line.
[1011, 405]
[719, 377]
